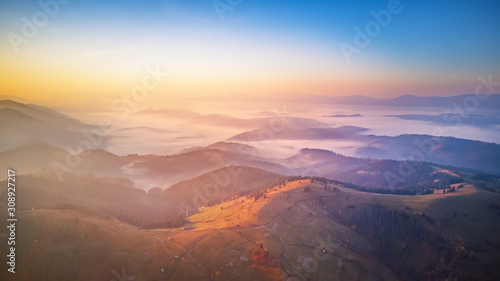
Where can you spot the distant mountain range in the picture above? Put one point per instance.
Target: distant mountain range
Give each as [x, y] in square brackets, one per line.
[22, 124]
[461, 153]
[372, 173]
[299, 133]
[35, 138]
[275, 121]
[169, 113]
[451, 119]
[162, 171]
[492, 102]
[220, 185]
[144, 170]
[343, 115]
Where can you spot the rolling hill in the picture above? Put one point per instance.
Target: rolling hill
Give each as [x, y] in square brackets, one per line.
[492, 102]
[23, 124]
[266, 122]
[462, 153]
[450, 119]
[374, 174]
[167, 170]
[300, 133]
[30, 158]
[169, 113]
[303, 229]
[221, 185]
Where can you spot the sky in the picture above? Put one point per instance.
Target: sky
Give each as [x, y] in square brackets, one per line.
[97, 49]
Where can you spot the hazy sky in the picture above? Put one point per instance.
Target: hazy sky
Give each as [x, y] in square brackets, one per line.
[102, 48]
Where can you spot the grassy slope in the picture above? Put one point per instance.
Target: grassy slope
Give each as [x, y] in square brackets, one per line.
[290, 223]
